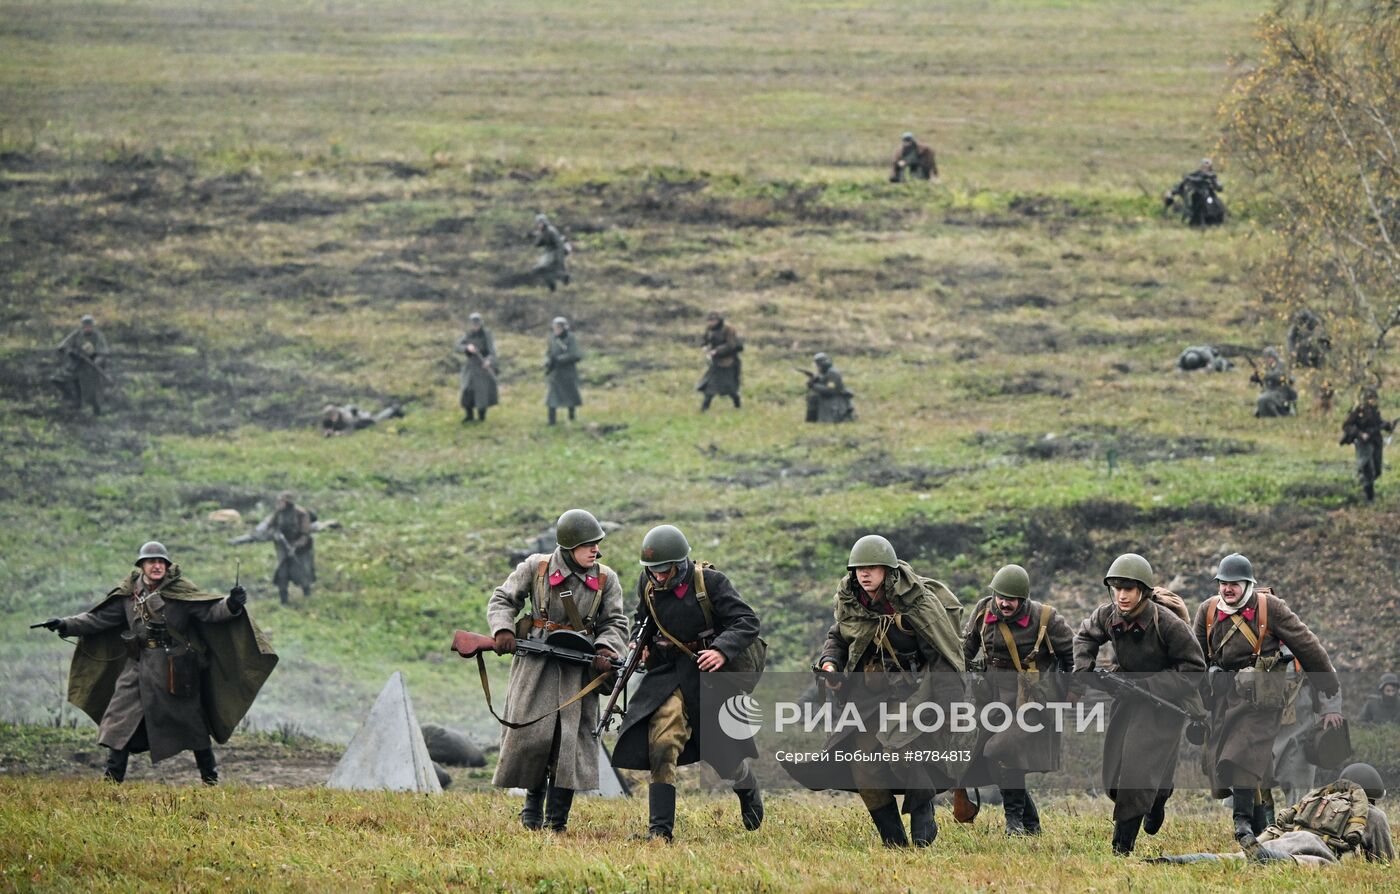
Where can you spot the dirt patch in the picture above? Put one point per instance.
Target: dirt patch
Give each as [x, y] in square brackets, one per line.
[1019, 385]
[1106, 443]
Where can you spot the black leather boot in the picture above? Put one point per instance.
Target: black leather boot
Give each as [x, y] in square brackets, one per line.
[890, 825]
[750, 800]
[1030, 816]
[532, 812]
[556, 810]
[661, 798]
[1013, 802]
[1242, 800]
[208, 766]
[1125, 833]
[923, 828]
[115, 770]
[1156, 815]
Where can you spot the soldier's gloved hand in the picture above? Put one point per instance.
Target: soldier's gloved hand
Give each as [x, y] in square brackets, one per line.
[505, 642]
[602, 662]
[1353, 838]
[237, 598]
[56, 625]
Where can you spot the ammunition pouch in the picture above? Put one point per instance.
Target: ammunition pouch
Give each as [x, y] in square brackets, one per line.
[181, 672]
[1264, 685]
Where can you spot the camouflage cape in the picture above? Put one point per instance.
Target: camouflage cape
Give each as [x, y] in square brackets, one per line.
[240, 659]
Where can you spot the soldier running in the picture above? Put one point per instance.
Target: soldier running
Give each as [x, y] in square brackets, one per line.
[83, 353]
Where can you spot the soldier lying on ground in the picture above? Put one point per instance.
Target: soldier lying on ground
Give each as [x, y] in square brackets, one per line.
[1202, 357]
[339, 420]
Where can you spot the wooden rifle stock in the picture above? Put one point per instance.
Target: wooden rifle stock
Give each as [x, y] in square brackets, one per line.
[629, 667]
[469, 645]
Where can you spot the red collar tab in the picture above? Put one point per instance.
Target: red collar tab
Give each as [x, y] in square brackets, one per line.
[556, 578]
[592, 582]
[680, 590]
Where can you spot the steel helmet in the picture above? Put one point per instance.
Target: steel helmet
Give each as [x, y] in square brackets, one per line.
[1365, 776]
[664, 545]
[577, 527]
[1235, 567]
[1012, 582]
[1131, 566]
[872, 549]
[153, 549]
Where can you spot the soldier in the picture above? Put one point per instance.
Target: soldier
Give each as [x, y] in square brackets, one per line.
[1363, 429]
[722, 347]
[341, 420]
[291, 528]
[1384, 705]
[569, 590]
[1293, 773]
[1200, 191]
[1278, 397]
[894, 639]
[83, 354]
[1020, 639]
[1202, 357]
[827, 397]
[1143, 741]
[162, 666]
[915, 159]
[552, 266]
[1323, 828]
[702, 625]
[478, 380]
[561, 357]
[1242, 630]
[1308, 344]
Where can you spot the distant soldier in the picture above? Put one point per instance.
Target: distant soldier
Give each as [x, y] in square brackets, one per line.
[347, 419]
[894, 640]
[567, 589]
[552, 266]
[83, 356]
[702, 624]
[1326, 826]
[1200, 192]
[1308, 343]
[1202, 357]
[291, 528]
[162, 666]
[827, 397]
[1028, 653]
[478, 381]
[1242, 630]
[561, 357]
[1143, 743]
[722, 347]
[1384, 705]
[914, 159]
[1278, 397]
[1365, 430]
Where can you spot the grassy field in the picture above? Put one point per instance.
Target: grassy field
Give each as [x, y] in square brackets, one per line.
[269, 206]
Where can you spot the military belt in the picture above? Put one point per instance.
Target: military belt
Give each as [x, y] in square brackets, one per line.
[551, 626]
[1004, 663]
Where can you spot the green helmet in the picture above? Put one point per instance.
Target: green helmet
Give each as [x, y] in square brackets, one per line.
[664, 545]
[1365, 776]
[577, 527]
[1012, 582]
[872, 549]
[1131, 566]
[1235, 567]
[152, 549]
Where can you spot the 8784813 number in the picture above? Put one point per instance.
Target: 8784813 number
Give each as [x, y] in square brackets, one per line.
[927, 756]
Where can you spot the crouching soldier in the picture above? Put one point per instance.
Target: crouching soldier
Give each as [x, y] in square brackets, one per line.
[1242, 631]
[194, 662]
[702, 625]
[1143, 741]
[567, 590]
[1024, 644]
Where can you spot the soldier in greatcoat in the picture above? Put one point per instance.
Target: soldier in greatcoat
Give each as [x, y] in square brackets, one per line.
[162, 666]
[1028, 652]
[561, 356]
[83, 355]
[722, 347]
[701, 625]
[292, 529]
[1155, 644]
[1365, 430]
[552, 266]
[1241, 630]
[478, 389]
[827, 397]
[568, 589]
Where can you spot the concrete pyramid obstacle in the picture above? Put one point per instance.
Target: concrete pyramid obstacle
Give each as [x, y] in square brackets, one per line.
[610, 785]
[387, 753]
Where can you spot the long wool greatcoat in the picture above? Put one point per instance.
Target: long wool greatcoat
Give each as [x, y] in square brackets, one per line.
[724, 373]
[1242, 733]
[120, 692]
[478, 381]
[561, 357]
[1015, 748]
[297, 565]
[926, 618]
[678, 610]
[1143, 741]
[539, 684]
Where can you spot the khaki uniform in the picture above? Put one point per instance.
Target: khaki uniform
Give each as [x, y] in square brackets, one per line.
[83, 354]
[296, 549]
[552, 266]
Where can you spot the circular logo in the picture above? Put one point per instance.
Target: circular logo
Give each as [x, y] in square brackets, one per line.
[740, 717]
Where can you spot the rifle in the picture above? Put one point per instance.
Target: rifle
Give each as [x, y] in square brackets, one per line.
[811, 376]
[469, 645]
[1114, 683]
[90, 362]
[645, 633]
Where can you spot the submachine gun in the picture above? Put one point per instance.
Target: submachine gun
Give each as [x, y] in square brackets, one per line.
[1116, 684]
